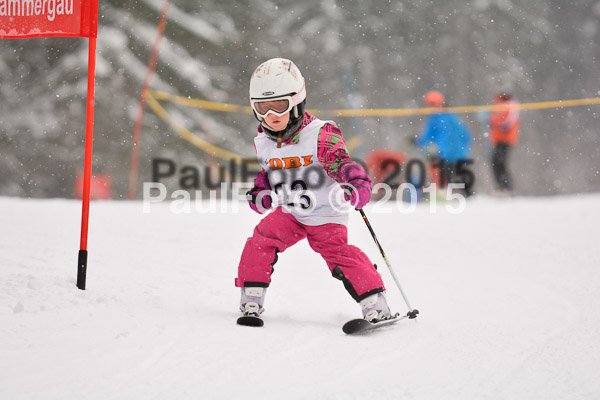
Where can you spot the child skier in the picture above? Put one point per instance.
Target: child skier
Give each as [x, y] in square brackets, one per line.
[304, 166]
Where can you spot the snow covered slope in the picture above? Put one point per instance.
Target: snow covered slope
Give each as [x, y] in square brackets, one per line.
[508, 292]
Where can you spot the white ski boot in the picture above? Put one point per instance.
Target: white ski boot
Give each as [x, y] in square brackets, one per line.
[251, 303]
[375, 308]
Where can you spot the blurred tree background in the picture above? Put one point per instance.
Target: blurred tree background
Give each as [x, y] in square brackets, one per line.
[353, 54]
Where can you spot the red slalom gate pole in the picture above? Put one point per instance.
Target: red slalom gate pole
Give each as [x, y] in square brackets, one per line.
[137, 129]
[79, 21]
[87, 166]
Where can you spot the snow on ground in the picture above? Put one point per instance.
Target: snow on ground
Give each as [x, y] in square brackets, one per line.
[508, 294]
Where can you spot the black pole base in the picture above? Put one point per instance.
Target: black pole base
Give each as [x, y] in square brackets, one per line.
[81, 269]
[413, 314]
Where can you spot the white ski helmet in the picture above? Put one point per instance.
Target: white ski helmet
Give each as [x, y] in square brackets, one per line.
[278, 87]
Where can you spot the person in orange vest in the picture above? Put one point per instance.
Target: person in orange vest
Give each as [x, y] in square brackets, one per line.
[504, 134]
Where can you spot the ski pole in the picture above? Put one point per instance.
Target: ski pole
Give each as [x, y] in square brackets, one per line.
[412, 313]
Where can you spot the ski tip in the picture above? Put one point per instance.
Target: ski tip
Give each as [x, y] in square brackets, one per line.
[250, 321]
[355, 325]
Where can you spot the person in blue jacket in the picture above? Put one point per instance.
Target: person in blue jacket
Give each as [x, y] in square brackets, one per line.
[446, 141]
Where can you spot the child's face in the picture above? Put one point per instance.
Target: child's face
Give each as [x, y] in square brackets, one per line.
[277, 123]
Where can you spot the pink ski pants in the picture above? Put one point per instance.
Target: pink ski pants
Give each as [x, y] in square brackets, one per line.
[280, 230]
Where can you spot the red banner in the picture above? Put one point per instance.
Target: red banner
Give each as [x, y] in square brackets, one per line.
[41, 18]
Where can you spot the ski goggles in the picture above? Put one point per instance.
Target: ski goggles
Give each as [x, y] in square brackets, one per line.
[277, 105]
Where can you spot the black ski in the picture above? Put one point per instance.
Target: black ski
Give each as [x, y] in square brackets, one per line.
[248, 320]
[361, 325]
